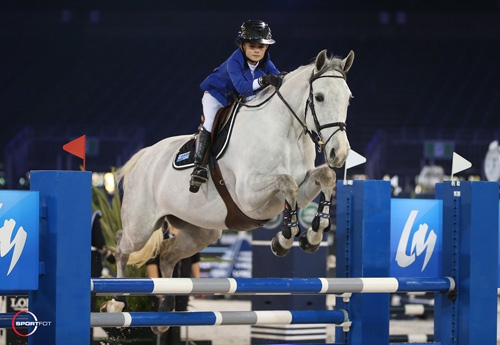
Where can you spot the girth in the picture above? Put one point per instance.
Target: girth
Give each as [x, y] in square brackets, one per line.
[235, 219]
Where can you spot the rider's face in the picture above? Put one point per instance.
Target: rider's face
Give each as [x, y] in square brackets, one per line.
[254, 51]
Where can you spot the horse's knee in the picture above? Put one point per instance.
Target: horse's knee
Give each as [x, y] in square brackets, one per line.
[289, 187]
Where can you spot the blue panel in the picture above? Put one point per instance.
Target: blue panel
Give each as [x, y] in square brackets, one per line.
[416, 237]
[470, 255]
[363, 244]
[65, 233]
[19, 228]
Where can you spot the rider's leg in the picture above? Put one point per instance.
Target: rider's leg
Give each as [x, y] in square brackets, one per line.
[200, 172]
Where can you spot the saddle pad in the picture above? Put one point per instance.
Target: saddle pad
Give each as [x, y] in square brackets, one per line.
[184, 158]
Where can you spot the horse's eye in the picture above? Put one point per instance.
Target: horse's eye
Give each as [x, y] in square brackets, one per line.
[319, 97]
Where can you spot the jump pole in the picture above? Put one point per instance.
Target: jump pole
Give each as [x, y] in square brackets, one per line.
[63, 296]
[265, 286]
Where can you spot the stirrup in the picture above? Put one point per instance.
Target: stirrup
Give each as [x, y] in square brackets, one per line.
[198, 177]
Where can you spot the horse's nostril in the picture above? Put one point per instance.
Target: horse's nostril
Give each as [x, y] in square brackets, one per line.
[332, 154]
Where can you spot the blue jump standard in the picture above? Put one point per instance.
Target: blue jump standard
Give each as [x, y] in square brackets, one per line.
[177, 286]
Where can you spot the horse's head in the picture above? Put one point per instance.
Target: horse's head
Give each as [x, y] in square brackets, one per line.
[328, 101]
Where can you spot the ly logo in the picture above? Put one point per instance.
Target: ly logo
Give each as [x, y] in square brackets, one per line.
[8, 242]
[421, 241]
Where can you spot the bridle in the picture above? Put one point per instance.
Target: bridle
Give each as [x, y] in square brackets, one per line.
[310, 105]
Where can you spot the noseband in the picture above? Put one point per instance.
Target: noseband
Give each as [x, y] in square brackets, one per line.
[310, 105]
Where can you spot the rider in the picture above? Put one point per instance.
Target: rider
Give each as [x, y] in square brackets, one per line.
[247, 70]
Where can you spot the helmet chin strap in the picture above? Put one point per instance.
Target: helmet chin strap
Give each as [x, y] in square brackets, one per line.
[251, 62]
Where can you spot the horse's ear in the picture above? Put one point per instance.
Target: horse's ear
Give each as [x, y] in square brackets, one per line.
[320, 60]
[347, 62]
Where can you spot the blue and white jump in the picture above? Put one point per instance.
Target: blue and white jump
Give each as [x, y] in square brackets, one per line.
[252, 286]
[214, 318]
[466, 296]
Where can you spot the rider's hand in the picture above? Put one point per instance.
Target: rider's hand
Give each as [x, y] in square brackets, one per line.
[270, 79]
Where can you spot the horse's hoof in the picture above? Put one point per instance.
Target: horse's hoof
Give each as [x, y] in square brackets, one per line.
[305, 245]
[113, 306]
[159, 329]
[277, 248]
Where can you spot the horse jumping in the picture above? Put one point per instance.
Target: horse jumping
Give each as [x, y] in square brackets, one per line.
[268, 166]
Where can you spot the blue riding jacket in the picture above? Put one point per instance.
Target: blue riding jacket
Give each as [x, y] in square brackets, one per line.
[235, 77]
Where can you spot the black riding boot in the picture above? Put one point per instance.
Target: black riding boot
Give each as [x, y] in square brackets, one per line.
[200, 172]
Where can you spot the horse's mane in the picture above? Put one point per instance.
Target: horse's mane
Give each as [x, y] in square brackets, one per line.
[331, 63]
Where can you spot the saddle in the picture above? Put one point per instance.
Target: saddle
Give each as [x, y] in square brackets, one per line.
[221, 134]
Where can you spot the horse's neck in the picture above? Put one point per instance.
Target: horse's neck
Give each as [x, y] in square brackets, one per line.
[274, 128]
[278, 119]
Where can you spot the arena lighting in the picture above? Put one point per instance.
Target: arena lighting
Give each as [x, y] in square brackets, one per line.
[104, 180]
[109, 182]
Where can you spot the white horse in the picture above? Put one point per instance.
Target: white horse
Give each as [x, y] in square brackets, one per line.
[267, 166]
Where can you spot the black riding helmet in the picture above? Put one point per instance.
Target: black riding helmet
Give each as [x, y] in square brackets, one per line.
[255, 31]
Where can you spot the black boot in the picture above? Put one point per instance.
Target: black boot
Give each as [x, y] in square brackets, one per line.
[200, 172]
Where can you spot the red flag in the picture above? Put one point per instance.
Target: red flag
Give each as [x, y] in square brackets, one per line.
[77, 148]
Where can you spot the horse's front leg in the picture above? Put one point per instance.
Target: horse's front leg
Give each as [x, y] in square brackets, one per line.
[323, 180]
[283, 241]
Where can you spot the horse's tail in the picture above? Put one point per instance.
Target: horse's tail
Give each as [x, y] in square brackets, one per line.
[153, 245]
[122, 172]
[150, 250]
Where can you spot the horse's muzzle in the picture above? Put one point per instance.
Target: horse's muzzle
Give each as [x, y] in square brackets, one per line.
[336, 159]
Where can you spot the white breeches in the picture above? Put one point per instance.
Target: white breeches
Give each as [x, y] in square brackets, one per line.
[210, 107]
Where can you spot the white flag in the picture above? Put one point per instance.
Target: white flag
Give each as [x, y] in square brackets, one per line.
[459, 164]
[354, 159]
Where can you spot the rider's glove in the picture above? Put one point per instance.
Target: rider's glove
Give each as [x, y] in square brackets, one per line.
[270, 79]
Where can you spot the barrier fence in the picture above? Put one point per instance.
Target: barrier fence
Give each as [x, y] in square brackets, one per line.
[466, 296]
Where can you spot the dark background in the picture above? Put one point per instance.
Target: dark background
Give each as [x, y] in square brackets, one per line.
[127, 74]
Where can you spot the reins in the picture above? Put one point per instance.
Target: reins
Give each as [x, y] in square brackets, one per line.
[309, 104]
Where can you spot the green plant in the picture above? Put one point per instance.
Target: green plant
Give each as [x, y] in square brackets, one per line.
[110, 206]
